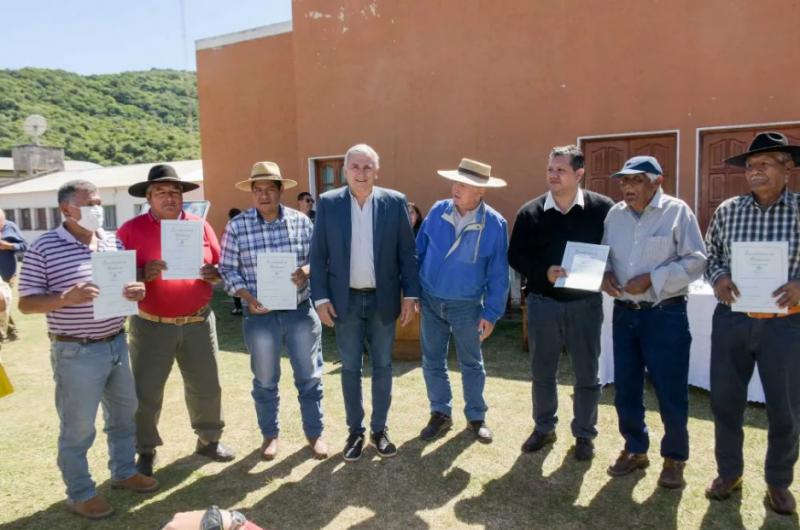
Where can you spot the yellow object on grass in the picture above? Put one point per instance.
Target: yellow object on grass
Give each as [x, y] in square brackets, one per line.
[5, 383]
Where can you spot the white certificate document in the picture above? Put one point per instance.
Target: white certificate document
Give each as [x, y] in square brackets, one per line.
[110, 272]
[757, 269]
[585, 264]
[182, 249]
[276, 290]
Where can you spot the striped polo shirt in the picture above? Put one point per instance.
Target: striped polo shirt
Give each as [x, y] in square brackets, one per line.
[54, 263]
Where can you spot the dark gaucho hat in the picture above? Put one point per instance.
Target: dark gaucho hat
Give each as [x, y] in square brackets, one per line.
[766, 142]
[160, 173]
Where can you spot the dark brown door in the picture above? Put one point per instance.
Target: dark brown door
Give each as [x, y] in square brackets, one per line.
[719, 181]
[605, 156]
[329, 174]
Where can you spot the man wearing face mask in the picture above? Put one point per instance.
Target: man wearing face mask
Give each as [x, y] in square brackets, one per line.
[89, 357]
[175, 323]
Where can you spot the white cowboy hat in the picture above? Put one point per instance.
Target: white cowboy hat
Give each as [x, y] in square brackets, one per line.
[265, 171]
[473, 173]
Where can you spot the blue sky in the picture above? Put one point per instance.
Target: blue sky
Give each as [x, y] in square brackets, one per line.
[106, 36]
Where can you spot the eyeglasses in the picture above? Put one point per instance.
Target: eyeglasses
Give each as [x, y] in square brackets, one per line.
[309, 199]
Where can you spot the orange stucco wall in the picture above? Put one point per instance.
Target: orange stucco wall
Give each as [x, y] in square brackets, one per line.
[427, 83]
[247, 113]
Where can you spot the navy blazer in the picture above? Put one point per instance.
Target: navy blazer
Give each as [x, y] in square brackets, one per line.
[394, 251]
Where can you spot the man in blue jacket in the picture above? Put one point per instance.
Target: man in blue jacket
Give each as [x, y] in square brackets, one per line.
[462, 247]
[11, 244]
[363, 261]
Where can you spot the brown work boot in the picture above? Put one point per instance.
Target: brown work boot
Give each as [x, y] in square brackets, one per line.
[628, 463]
[672, 474]
[781, 500]
[319, 447]
[269, 449]
[721, 488]
[94, 508]
[138, 483]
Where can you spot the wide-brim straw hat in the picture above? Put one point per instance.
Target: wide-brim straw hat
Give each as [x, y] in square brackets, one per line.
[766, 142]
[265, 171]
[473, 173]
[158, 174]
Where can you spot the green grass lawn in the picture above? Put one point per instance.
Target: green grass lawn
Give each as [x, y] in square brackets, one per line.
[450, 483]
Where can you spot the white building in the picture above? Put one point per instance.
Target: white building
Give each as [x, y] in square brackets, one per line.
[7, 167]
[32, 204]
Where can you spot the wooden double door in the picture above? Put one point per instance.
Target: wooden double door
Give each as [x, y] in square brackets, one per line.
[605, 156]
[719, 181]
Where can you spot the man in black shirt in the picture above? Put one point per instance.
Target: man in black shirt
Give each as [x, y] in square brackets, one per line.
[560, 319]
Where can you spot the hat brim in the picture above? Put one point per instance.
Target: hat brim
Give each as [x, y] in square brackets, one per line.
[247, 185]
[632, 172]
[464, 178]
[741, 160]
[140, 188]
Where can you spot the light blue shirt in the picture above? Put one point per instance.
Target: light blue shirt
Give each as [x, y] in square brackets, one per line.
[664, 241]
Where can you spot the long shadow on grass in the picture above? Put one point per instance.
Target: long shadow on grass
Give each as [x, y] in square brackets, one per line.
[227, 488]
[57, 515]
[394, 490]
[524, 498]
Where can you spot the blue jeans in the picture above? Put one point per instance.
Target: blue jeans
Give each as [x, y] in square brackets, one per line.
[362, 325]
[658, 340]
[87, 376]
[440, 318]
[265, 335]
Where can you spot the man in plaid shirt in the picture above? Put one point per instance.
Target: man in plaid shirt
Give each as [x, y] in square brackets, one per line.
[271, 227]
[739, 340]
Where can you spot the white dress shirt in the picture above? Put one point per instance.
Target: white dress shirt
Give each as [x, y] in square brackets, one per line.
[362, 258]
[550, 202]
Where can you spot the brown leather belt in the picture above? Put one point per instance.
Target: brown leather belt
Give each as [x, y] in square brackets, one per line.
[84, 340]
[637, 306]
[198, 316]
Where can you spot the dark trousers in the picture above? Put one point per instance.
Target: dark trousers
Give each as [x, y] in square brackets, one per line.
[554, 326]
[154, 348]
[658, 340]
[738, 344]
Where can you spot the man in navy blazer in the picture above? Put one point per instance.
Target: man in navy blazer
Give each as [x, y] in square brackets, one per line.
[363, 256]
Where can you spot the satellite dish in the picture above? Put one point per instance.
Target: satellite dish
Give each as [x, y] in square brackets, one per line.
[35, 126]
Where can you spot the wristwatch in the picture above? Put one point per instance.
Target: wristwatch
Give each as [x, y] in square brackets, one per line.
[238, 520]
[212, 520]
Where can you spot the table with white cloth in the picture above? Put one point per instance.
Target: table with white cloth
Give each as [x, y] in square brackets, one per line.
[700, 310]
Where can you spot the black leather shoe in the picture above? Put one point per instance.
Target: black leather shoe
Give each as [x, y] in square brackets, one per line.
[537, 440]
[145, 462]
[353, 447]
[481, 431]
[215, 451]
[385, 447]
[584, 449]
[438, 424]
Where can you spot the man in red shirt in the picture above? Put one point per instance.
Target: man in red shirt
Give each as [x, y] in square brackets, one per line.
[175, 323]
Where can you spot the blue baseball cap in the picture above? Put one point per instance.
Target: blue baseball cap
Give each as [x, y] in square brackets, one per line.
[640, 164]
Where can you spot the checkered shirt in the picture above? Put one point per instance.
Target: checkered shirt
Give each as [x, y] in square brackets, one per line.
[742, 219]
[248, 234]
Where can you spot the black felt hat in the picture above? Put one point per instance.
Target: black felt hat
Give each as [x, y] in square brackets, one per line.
[161, 173]
[764, 143]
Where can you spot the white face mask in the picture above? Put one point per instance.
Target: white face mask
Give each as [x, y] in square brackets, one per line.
[91, 218]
